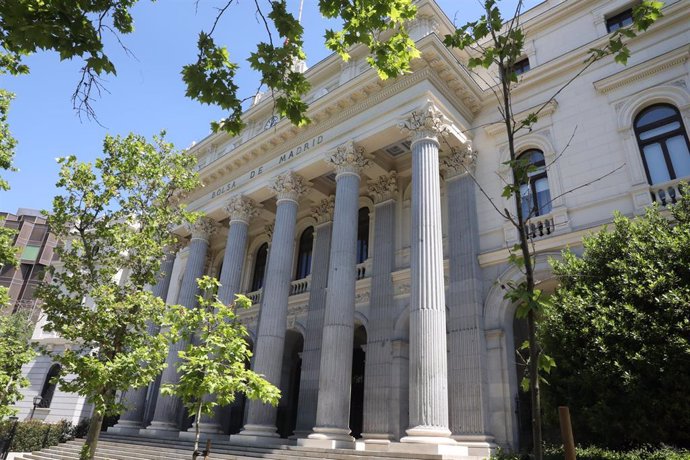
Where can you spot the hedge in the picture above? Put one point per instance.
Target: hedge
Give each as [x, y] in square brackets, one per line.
[32, 435]
[600, 453]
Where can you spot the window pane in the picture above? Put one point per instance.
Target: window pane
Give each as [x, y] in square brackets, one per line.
[680, 156]
[526, 201]
[30, 252]
[655, 113]
[658, 172]
[543, 196]
[660, 130]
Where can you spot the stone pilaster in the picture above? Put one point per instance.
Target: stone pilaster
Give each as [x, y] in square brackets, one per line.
[467, 373]
[132, 420]
[261, 418]
[311, 354]
[333, 410]
[377, 382]
[166, 415]
[428, 360]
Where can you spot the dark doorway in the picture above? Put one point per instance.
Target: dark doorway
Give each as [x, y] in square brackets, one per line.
[289, 383]
[357, 389]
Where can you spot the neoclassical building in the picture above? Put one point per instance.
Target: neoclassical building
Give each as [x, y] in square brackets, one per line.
[369, 242]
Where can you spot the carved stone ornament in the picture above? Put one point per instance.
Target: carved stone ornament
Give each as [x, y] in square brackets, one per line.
[461, 161]
[203, 228]
[241, 208]
[348, 158]
[384, 187]
[268, 230]
[323, 212]
[173, 248]
[288, 186]
[428, 123]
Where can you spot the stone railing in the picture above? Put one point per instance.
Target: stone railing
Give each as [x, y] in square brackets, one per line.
[362, 269]
[255, 296]
[300, 286]
[540, 226]
[668, 192]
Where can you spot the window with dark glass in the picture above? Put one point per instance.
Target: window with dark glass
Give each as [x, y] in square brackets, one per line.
[620, 20]
[259, 267]
[521, 66]
[663, 143]
[49, 386]
[535, 194]
[306, 243]
[363, 235]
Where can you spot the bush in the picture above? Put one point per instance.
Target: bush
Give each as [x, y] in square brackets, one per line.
[600, 453]
[33, 435]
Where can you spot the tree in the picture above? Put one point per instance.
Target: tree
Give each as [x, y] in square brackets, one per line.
[496, 44]
[15, 343]
[214, 361]
[619, 327]
[114, 222]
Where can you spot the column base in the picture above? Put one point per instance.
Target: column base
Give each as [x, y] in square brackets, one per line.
[479, 446]
[329, 438]
[259, 435]
[211, 431]
[446, 451]
[161, 430]
[126, 428]
[376, 441]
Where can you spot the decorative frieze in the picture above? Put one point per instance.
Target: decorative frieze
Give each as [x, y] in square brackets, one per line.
[203, 229]
[384, 187]
[323, 212]
[241, 208]
[288, 186]
[348, 158]
[428, 123]
[461, 161]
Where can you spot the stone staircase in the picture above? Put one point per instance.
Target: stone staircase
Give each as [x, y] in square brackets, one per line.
[116, 447]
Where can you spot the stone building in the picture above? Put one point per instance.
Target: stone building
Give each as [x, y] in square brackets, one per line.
[375, 261]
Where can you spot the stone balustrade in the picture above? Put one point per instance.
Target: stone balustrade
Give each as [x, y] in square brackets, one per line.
[300, 286]
[667, 193]
[255, 296]
[540, 226]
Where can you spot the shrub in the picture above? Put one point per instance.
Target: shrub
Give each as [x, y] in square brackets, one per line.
[32, 435]
[601, 453]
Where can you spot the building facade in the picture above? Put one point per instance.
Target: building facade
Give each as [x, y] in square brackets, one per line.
[369, 242]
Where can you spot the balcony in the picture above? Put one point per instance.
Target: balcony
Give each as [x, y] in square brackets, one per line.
[668, 193]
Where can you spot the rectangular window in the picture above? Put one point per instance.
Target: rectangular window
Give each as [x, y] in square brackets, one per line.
[30, 253]
[620, 20]
[521, 66]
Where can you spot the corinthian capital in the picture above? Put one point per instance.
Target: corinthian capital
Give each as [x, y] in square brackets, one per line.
[460, 162]
[203, 228]
[323, 212]
[288, 186]
[348, 158]
[428, 123]
[241, 208]
[384, 187]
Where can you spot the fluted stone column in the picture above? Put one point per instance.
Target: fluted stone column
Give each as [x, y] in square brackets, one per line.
[311, 354]
[377, 373]
[333, 410]
[428, 360]
[166, 415]
[467, 373]
[132, 420]
[268, 357]
[241, 210]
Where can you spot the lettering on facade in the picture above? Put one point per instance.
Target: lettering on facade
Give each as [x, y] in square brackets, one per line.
[278, 160]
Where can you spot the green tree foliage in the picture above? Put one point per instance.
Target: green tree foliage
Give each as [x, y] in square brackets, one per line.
[619, 328]
[214, 361]
[496, 44]
[114, 220]
[15, 351]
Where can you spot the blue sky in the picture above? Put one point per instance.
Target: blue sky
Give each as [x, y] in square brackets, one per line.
[147, 95]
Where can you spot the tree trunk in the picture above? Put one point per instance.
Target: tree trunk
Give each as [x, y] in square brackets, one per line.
[196, 431]
[89, 449]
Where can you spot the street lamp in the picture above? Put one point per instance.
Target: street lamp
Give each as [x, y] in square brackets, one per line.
[38, 399]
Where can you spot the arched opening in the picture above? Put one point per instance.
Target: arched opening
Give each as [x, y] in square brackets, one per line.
[259, 268]
[363, 235]
[534, 192]
[306, 244]
[49, 386]
[289, 383]
[357, 388]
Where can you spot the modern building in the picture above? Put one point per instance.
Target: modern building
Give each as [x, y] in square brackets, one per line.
[369, 240]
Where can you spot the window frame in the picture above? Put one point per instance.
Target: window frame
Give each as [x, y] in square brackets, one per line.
[252, 286]
[531, 183]
[661, 138]
[521, 66]
[303, 267]
[618, 20]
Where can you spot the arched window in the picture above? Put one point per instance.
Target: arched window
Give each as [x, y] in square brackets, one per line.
[363, 235]
[49, 386]
[259, 267]
[663, 143]
[535, 194]
[306, 243]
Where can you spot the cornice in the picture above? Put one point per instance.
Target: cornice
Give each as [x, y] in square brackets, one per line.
[644, 69]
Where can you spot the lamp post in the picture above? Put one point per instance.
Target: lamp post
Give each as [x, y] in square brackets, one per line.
[8, 441]
[37, 402]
